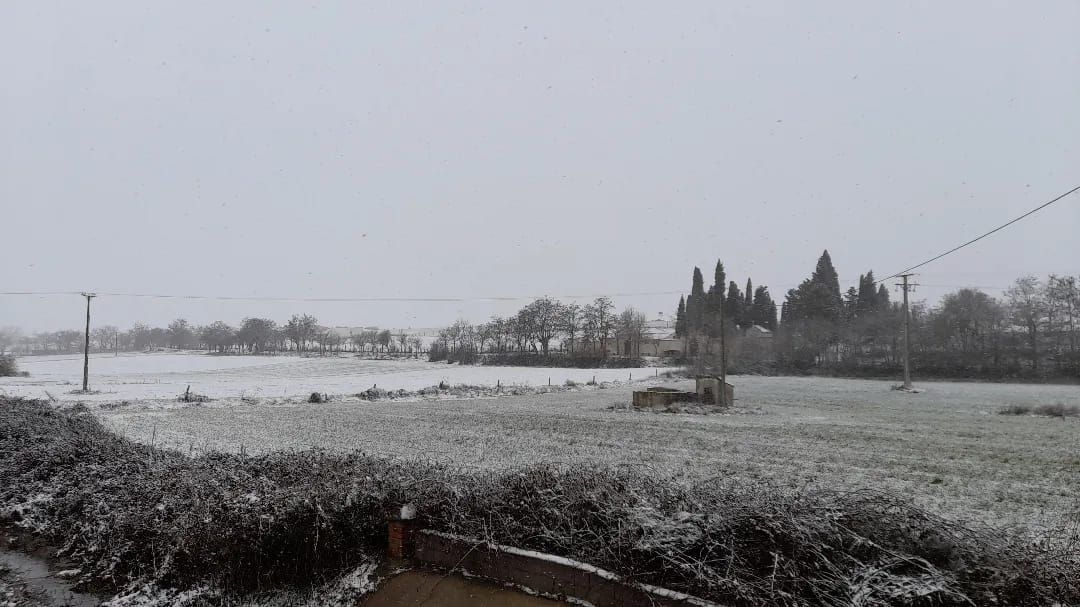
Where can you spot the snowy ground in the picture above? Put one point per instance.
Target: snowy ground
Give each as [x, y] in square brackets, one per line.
[144, 377]
[945, 447]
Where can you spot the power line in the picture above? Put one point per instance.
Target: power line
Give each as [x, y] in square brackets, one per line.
[39, 293]
[340, 299]
[978, 238]
[405, 299]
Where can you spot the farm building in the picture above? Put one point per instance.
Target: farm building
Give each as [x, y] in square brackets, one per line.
[755, 342]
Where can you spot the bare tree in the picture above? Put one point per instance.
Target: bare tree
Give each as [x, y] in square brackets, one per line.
[9, 336]
[599, 322]
[300, 330]
[385, 339]
[1063, 305]
[521, 327]
[218, 336]
[570, 324]
[256, 334]
[105, 336]
[417, 344]
[544, 317]
[500, 329]
[631, 327]
[180, 334]
[1027, 308]
[68, 340]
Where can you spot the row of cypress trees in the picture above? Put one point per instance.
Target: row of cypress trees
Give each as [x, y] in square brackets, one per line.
[700, 312]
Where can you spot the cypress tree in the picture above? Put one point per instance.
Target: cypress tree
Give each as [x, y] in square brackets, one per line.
[696, 312]
[733, 304]
[830, 298]
[680, 318]
[883, 297]
[690, 303]
[716, 301]
[710, 322]
[868, 295]
[764, 309]
[818, 297]
[719, 279]
[698, 286]
[851, 304]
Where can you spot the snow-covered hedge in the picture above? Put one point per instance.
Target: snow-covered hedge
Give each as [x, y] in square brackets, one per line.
[133, 514]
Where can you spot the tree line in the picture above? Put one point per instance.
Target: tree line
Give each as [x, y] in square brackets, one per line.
[1031, 332]
[301, 333]
[541, 332]
[699, 314]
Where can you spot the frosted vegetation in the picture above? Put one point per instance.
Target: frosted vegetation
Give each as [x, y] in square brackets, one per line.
[947, 447]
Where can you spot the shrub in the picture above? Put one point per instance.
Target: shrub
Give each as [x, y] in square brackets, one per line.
[377, 393]
[559, 359]
[8, 368]
[1055, 410]
[464, 355]
[1058, 410]
[437, 352]
[190, 397]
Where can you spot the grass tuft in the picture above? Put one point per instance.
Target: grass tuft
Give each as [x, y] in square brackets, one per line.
[1055, 410]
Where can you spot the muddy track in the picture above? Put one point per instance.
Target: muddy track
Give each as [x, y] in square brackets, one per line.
[30, 572]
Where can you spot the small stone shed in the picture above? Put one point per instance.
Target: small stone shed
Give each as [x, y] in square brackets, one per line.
[660, 396]
[708, 390]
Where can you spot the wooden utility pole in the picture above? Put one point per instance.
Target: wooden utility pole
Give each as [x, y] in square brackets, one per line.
[723, 355]
[907, 286]
[86, 346]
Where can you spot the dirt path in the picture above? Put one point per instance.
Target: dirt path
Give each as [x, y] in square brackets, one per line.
[416, 588]
[25, 580]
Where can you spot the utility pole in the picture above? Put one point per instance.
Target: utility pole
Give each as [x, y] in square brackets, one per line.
[907, 286]
[723, 354]
[86, 345]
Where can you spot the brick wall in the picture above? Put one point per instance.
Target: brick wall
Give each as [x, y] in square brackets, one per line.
[546, 574]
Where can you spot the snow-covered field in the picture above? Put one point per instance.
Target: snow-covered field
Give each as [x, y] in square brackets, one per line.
[946, 447]
[164, 376]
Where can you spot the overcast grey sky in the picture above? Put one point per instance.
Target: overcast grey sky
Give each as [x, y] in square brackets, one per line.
[460, 150]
